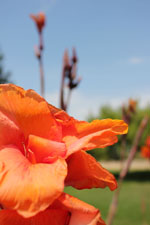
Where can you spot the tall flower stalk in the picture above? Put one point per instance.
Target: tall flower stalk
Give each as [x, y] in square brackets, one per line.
[127, 115]
[69, 79]
[39, 20]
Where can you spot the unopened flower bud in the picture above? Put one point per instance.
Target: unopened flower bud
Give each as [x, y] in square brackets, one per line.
[39, 20]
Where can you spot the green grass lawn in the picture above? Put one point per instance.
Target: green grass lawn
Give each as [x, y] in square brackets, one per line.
[133, 195]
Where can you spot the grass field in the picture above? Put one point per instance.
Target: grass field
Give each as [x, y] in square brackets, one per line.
[134, 201]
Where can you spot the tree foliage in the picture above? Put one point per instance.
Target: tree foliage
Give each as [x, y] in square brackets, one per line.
[4, 76]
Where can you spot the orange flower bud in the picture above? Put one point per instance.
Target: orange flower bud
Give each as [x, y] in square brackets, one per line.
[132, 105]
[145, 150]
[39, 19]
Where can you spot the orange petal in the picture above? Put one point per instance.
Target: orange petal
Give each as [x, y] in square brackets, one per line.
[59, 114]
[29, 188]
[81, 135]
[97, 221]
[10, 132]
[28, 111]
[47, 217]
[45, 149]
[97, 134]
[81, 213]
[65, 210]
[85, 172]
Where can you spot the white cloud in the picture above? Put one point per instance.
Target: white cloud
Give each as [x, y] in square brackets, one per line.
[82, 105]
[136, 60]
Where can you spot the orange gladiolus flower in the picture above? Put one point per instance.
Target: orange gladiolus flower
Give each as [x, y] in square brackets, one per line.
[145, 150]
[42, 149]
[39, 19]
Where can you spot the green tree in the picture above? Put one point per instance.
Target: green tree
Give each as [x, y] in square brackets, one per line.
[4, 76]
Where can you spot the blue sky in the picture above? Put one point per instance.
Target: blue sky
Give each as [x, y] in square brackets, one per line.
[112, 39]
